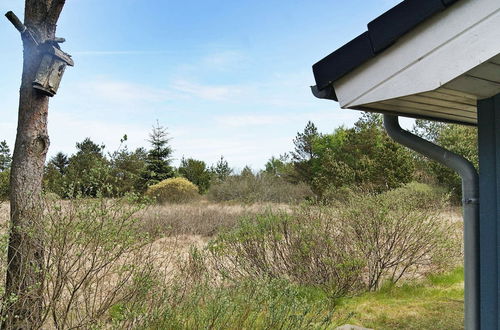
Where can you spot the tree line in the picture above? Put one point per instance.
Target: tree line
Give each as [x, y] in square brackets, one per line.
[329, 164]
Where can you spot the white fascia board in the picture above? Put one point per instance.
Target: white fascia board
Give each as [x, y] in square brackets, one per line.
[439, 50]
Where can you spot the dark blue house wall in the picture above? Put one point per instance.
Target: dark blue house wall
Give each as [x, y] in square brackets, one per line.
[489, 190]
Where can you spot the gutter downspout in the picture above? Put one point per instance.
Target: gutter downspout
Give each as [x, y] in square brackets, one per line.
[470, 194]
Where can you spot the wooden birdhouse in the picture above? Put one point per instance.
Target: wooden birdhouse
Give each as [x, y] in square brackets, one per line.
[51, 69]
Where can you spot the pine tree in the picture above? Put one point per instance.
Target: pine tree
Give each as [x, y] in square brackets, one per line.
[247, 172]
[159, 159]
[303, 156]
[5, 158]
[60, 161]
[222, 169]
[89, 147]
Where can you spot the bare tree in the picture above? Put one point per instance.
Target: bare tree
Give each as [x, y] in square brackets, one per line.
[23, 298]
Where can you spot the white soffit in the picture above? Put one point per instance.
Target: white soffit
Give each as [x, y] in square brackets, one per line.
[439, 69]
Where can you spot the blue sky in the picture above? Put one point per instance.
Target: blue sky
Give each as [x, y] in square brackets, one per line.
[225, 77]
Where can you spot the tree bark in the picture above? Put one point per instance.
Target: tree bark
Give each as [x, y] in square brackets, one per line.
[24, 280]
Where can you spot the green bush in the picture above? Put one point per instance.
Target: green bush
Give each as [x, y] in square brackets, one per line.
[4, 185]
[174, 190]
[263, 187]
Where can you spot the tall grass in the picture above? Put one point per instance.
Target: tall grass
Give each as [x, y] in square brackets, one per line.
[202, 218]
[273, 304]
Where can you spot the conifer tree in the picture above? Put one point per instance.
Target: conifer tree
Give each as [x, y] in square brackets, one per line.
[222, 170]
[60, 162]
[5, 158]
[159, 159]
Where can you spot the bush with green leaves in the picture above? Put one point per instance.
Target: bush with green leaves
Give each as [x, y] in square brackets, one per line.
[197, 172]
[174, 190]
[457, 138]
[274, 304]
[261, 187]
[4, 185]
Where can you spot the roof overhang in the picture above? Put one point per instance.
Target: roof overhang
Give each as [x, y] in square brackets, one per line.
[435, 63]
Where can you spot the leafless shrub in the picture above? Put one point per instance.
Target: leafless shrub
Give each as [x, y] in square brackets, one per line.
[304, 247]
[96, 261]
[371, 239]
[400, 232]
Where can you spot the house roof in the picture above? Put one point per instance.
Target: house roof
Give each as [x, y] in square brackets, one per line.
[382, 32]
[431, 59]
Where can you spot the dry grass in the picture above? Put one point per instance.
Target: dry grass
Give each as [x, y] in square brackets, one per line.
[199, 218]
[4, 212]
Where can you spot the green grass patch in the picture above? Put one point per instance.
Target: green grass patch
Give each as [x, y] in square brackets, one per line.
[433, 303]
[273, 304]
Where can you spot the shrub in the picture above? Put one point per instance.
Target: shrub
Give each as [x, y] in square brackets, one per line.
[174, 190]
[305, 247]
[399, 232]
[4, 185]
[95, 259]
[370, 239]
[262, 187]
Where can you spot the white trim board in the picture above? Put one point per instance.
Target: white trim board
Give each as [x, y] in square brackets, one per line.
[441, 50]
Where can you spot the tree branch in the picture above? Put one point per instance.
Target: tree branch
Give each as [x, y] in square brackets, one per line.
[20, 26]
[15, 21]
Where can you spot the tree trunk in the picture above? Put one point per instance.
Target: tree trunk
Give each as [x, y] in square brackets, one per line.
[24, 280]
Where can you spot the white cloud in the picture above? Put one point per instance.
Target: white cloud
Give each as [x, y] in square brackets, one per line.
[119, 52]
[122, 91]
[67, 129]
[225, 60]
[248, 120]
[204, 91]
[346, 117]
